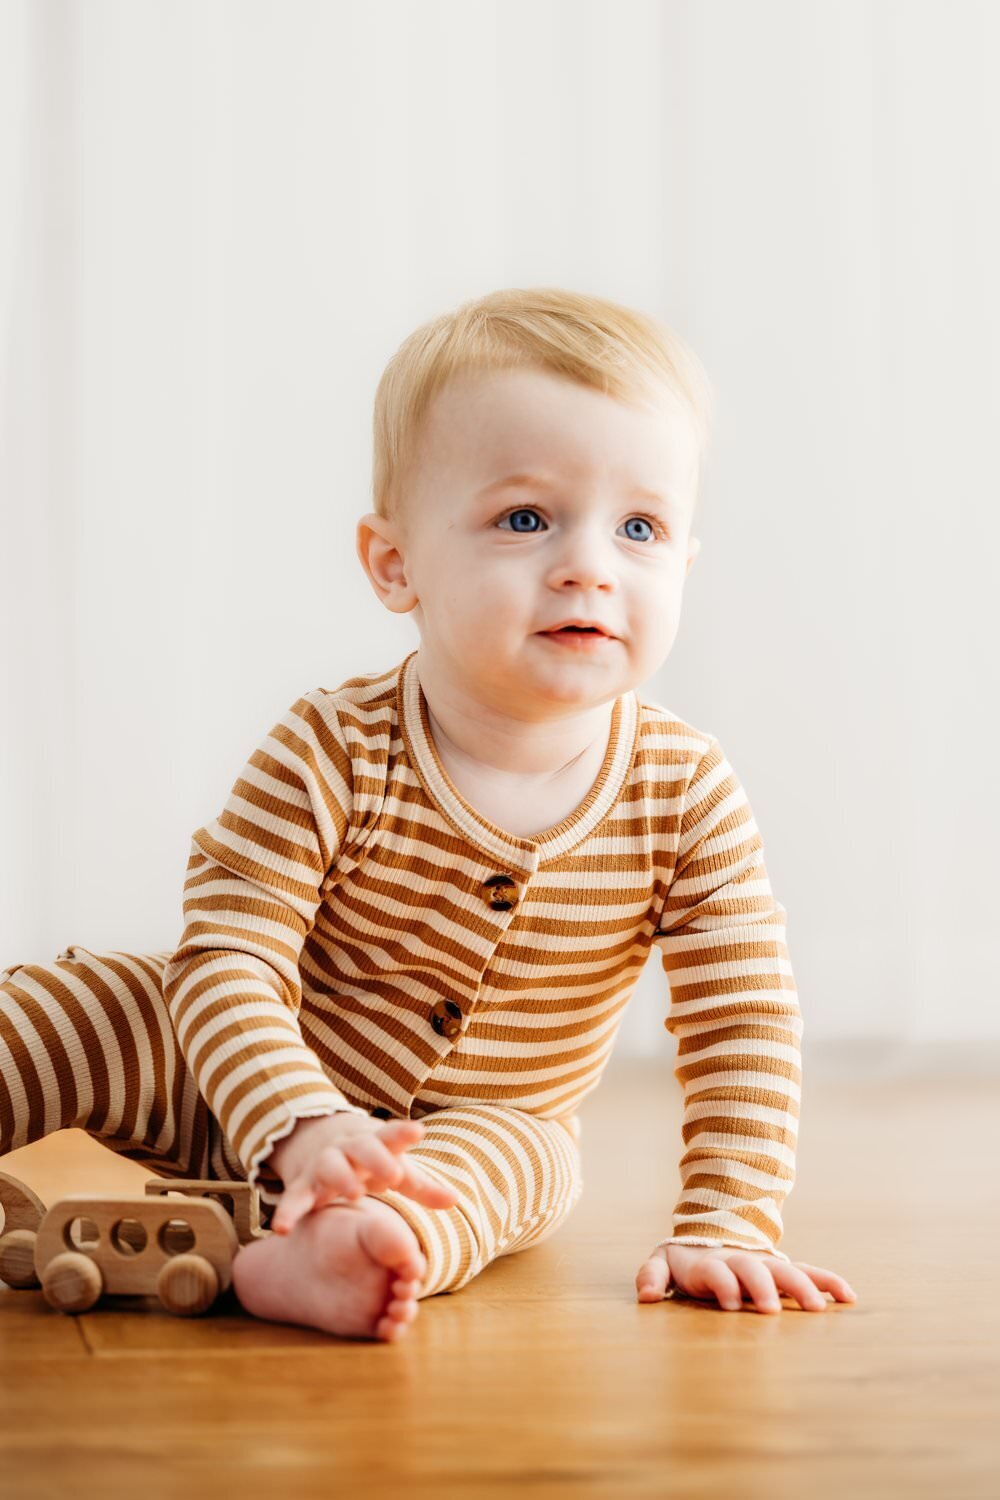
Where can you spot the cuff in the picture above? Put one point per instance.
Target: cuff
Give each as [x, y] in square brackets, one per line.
[698, 1241]
[279, 1124]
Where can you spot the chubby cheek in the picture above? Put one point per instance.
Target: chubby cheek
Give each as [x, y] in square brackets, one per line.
[477, 599]
[653, 626]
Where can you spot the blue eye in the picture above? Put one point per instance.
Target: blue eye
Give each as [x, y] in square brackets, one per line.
[526, 510]
[523, 511]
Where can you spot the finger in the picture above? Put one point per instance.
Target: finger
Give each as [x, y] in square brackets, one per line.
[794, 1282]
[382, 1166]
[399, 1134]
[297, 1200]
[714, 1277]
[334, 1175]
[758, 1280]
[829, 1281]
[652, 1279]
[424, 1188]
[701, 1275]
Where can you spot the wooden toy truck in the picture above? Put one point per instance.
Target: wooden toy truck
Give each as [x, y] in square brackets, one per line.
[85, 1245]
[131, 1249]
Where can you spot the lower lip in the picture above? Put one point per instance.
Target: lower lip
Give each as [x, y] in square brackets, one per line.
[576, 640]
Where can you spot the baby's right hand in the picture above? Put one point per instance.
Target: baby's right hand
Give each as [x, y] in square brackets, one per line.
[347, 1155]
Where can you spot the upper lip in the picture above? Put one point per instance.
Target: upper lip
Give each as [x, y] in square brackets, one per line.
[595, 624]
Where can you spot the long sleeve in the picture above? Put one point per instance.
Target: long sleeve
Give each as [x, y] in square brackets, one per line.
[735, 1014]
[254, 882]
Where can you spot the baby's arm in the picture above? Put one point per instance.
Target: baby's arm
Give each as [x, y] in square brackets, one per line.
[735, 1012]
[254, 883]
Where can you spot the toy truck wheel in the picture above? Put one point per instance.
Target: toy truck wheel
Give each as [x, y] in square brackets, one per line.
[17, 1258]
[71, 1282]
[187, 1285]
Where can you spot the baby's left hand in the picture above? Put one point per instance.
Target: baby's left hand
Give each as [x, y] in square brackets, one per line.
[703, 1271]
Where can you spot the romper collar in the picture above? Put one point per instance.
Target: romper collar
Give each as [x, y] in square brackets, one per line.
[525, 852]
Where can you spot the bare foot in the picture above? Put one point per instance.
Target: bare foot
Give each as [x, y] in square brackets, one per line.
[352, 1269]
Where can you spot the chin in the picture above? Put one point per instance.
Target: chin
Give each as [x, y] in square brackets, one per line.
[578, 682]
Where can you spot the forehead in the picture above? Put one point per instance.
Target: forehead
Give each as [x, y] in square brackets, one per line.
[483, 426]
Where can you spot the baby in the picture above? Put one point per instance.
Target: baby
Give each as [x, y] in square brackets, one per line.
[412, 932]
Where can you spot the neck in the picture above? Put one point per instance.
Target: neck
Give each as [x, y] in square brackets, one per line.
[493, 743]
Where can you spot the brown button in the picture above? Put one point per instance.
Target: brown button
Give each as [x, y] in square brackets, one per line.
[446, 1018]
[501, 892]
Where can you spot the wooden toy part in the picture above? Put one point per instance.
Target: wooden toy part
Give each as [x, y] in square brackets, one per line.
[72, 1282]
[239, 1199]
[135, 1247]
[23, 1211]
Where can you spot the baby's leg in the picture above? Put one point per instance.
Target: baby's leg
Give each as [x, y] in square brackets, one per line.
[86, 1041]
[518, 1177]
[358, 1269]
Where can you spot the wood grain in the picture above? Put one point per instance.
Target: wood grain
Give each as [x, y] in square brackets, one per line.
[545, 1375]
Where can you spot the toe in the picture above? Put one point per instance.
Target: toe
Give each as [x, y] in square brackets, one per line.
[402, 1311]
[389, 1240]
[390, 1329]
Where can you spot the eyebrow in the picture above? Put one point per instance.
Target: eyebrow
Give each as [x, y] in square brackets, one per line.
[541, 482]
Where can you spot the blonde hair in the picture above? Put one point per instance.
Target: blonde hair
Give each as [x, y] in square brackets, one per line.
[601, 344]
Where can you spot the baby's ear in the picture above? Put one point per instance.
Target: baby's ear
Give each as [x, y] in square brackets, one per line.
[378, 548]
[694, 547]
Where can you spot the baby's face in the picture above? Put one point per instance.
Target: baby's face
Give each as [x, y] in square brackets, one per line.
[597, 528]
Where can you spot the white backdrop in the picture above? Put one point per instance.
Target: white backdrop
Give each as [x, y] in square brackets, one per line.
[219, 221]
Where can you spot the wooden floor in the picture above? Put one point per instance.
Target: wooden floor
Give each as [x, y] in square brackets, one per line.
[544, 1376]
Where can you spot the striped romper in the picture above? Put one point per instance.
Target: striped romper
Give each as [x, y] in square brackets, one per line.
[358, 937]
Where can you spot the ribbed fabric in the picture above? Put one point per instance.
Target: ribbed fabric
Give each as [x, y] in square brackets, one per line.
[86, 1042]
[343, 899]
[358, 937]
